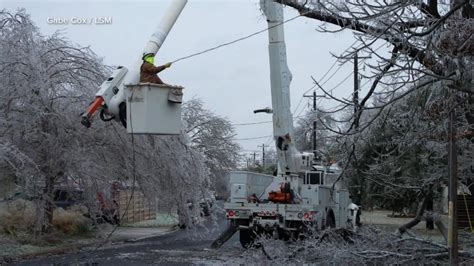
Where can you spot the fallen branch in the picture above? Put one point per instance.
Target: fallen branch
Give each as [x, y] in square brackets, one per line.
[424, 241]
[266, 253]
[419, 215]
[383, 252]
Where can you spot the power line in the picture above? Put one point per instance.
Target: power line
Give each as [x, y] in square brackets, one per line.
[252, 123]
[234, 41]
[246, 151]
[301, 99]
[336, 86]
[327, 72]
[298, 105]
[321, 79]
[299, 115]
[341, 82]
[335, 72]
[350, 74]
[333, 88]
[252, 138]
[324, 75]
[256, 123]
[269, 140]
[332, 66]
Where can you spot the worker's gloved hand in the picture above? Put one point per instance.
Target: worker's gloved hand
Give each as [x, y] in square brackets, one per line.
[167, 65]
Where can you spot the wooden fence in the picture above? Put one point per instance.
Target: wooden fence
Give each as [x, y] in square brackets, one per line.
[140, 208]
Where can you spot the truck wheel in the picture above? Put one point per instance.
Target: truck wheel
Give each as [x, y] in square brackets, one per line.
[330, 220]
[296, 235]
[358, 223]
[284, 235]
[247, 238]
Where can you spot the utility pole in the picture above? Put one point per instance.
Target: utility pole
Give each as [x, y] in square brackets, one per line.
[313, 134]
[355, 95]
[254, 157]
[314, 122]
[263, 153]
[453, 193]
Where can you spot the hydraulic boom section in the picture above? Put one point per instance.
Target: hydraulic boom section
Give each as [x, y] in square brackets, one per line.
[280, 77]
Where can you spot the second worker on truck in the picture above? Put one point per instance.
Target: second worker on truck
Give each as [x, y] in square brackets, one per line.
[148, 71]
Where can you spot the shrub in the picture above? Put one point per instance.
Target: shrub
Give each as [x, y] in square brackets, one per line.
[71, 221]
[17, 215]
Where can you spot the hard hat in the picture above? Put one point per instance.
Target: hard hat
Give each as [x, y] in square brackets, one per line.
[149, 58]
[147, 54]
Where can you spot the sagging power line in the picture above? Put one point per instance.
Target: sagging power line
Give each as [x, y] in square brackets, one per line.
[234, 41]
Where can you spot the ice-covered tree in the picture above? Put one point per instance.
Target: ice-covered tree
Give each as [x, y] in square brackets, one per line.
[47, 81]
[431, 44]
[213, 136]
[399, 142]
[325, 140]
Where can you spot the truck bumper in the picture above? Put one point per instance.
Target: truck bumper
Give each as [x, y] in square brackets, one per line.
[267, 217]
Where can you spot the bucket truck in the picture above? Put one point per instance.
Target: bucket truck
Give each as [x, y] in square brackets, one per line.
[122, 91]
[300, 197]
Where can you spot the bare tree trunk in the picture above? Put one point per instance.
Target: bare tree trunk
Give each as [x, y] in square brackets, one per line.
[48, 197]
[419, 214]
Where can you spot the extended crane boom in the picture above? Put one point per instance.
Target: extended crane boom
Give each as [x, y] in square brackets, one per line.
[289, 157]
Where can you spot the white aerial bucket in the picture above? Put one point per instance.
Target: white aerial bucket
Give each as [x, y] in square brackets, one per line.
[154, 109]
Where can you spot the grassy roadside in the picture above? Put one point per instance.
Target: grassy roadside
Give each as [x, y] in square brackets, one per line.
[14, 248]
[23, 246]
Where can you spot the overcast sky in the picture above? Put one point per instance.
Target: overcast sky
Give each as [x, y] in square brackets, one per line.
[232, 81]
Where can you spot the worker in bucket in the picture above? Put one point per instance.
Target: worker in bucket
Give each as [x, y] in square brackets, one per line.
[148, 71]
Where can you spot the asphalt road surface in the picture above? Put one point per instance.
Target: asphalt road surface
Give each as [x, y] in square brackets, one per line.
[182, 247]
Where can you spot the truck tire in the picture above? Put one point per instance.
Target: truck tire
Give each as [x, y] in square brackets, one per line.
[357, 222]
[284, 235]
[247, 237]
[330, 220]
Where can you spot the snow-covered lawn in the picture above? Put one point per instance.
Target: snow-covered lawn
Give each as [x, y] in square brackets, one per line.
[162, 219]
[381, 219]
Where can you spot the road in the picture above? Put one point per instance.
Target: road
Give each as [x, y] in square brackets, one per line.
[182, 247]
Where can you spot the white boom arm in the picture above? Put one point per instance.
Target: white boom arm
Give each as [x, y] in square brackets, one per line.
[112, 92]
[280, 77]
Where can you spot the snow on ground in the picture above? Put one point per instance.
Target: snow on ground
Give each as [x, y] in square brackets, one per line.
[162, 219]
[381, 219]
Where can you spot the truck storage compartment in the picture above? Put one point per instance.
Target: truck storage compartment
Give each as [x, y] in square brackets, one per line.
[154, 109]
[342, 204]
[244, 184]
